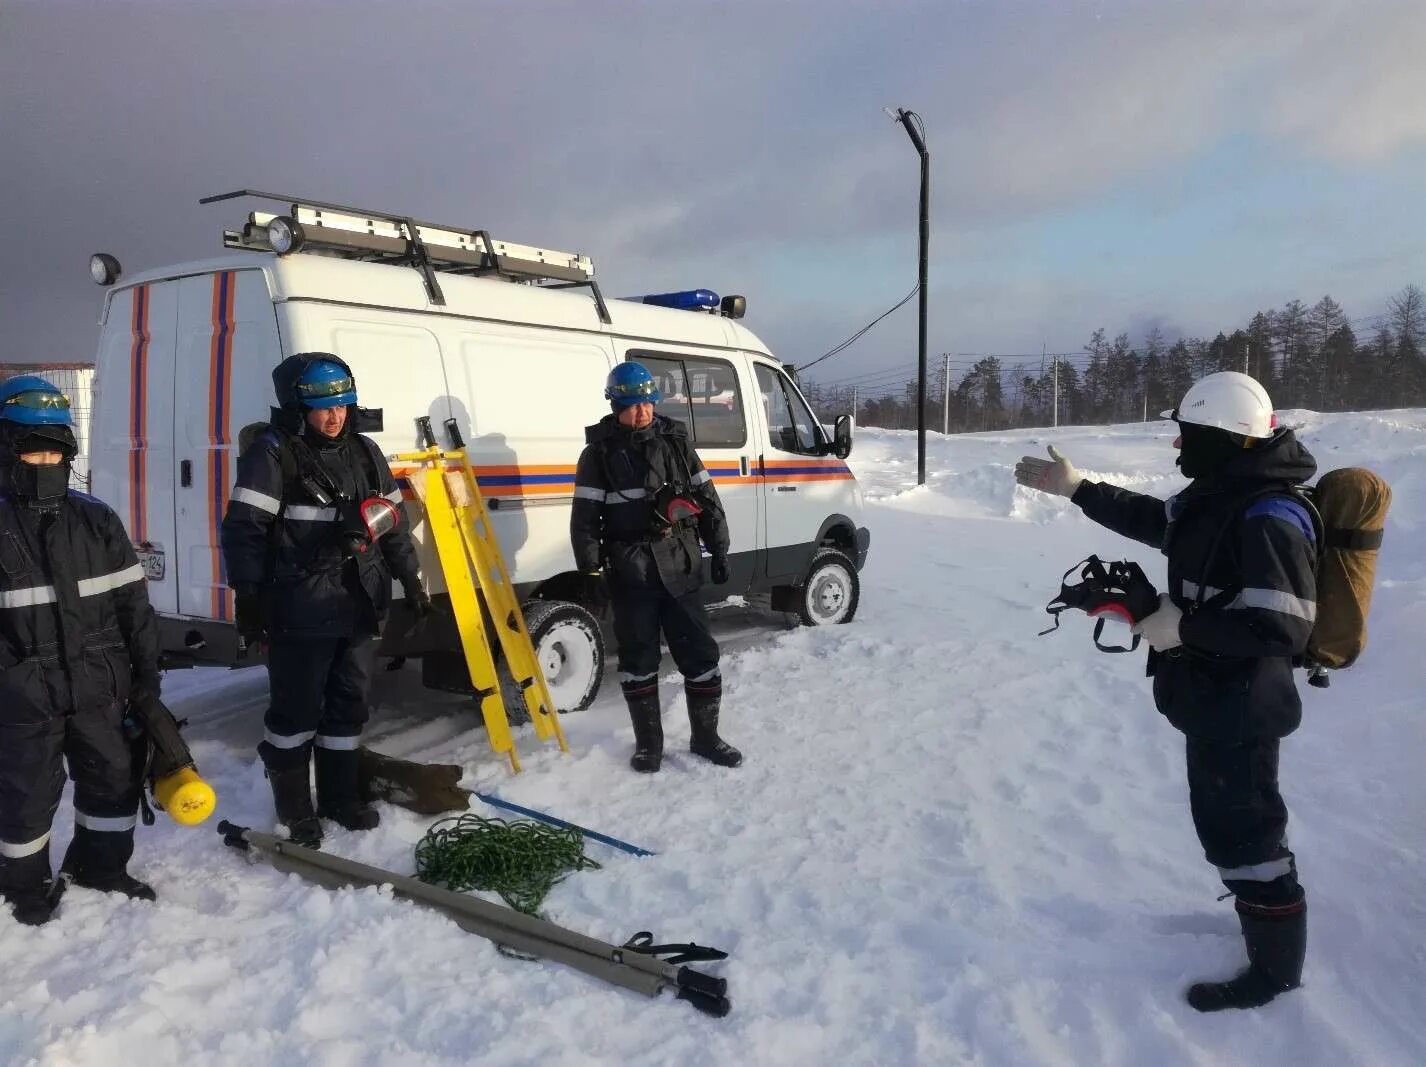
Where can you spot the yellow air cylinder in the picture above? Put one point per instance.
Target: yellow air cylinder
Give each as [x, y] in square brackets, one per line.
[187, 798]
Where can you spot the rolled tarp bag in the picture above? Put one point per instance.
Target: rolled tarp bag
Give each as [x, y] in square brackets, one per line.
[1353, 503]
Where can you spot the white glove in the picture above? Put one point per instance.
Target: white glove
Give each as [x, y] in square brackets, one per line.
[1161, 628]
[1054, 475]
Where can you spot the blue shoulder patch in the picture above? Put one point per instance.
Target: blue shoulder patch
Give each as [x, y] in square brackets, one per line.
[1285, 509]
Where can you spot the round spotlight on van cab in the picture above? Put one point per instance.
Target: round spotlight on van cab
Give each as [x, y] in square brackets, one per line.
[285, 235]
[733, 307]
[104, 268]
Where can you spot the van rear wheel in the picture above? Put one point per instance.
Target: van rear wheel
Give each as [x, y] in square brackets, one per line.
[570, 651]
[831, 592]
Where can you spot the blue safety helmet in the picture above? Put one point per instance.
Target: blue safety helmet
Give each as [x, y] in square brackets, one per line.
[29, 400]
[629, 384]
[326, 384]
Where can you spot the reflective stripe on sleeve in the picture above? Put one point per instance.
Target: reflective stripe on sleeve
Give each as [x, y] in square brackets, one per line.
[584, 492]
[394, 496]
[105, 583]
[27, 598]
[702, 478]
[338, 744]
[288, 740]
[12, 850]
[261, 501]
[1261, 599]
[105, 824]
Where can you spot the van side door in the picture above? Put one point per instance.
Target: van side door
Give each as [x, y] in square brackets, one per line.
[132, 463]
[705, 392]
[802, 485]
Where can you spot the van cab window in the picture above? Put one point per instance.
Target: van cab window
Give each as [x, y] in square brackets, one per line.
[790, 424]
[702, 393]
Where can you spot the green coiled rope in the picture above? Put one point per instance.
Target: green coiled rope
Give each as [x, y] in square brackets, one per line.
[521, 860]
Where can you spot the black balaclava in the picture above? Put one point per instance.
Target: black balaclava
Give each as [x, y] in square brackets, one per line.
[1205, 450]
[36, 486]
[317, 439]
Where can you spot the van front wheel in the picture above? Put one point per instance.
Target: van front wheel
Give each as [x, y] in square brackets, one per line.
[570, 651]
[831, 591]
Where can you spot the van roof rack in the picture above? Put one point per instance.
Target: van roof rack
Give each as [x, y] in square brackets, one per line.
[382, 237]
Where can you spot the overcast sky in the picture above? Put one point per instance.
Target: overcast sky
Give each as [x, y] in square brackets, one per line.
[1112, 163]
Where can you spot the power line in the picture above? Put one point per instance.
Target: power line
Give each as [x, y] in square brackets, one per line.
[863, 331]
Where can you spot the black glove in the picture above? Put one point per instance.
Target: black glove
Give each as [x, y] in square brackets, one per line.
[247, 613]
[719, 570]
[417, 598]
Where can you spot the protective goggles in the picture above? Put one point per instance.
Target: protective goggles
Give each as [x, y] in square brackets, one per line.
[322, 390]
[39, 401]
[634, 391]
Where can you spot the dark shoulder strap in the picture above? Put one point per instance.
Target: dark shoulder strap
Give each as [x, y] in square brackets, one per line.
[1235, 517]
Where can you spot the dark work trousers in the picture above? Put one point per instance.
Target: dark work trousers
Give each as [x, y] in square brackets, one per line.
[319, 690]
[34, 748]
[1241, 819]
[641, 613]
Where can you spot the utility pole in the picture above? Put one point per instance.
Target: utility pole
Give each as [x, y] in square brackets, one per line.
[946, 400]
[1245, 357]
[854, 406]
[915, 131]
[1055, 376]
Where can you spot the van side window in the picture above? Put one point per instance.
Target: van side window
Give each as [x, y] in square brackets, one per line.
[790, 424]
[702, 393]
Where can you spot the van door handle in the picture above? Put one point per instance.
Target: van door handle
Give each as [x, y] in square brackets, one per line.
[787, 488]
[743, 466]
[185, 474]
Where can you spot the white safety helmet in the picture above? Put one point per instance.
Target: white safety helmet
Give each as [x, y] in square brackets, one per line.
[1230, 401]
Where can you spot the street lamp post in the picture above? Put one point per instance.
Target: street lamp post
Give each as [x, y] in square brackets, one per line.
[916, 131]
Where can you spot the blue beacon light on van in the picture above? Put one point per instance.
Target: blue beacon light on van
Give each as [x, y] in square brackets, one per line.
[688, 300]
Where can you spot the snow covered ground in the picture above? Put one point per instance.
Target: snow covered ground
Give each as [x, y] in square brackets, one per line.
[952, 841]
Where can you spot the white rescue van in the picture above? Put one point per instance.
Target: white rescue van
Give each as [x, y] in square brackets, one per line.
[510, 342]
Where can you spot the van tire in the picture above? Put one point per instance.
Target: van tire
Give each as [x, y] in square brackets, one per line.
[570, 648]
[831, 592]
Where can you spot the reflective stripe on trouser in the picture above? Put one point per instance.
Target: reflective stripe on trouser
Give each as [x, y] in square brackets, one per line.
[319, 692]
[18, 850]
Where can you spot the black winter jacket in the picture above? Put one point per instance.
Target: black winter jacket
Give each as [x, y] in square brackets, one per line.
[72, 596]
[277, 537]
[1249, 610]
[611, 521]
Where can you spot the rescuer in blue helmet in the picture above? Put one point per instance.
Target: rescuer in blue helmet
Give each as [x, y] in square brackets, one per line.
[79, 649]
[312, 575]
[642, 503]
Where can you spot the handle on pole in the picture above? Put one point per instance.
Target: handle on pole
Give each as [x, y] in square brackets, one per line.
[453, 432]
[233, 835]
[428, 436]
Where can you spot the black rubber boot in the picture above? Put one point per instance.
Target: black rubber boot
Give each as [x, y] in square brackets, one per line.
[99, 859]
[704, 700]
[643, 701]
[338, 790]
[292, 797]
[26, 885]
[1277, 944]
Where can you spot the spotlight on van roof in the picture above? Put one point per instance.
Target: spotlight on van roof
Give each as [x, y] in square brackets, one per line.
[285, 235]
[733, 307]
[688, 300]
[104, 268]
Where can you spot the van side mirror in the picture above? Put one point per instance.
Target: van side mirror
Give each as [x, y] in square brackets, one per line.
[842, 437]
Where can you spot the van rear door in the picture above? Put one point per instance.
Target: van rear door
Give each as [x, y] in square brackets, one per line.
[131, 432]
[227, 345]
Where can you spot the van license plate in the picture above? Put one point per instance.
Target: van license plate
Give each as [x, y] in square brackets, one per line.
[151, 559]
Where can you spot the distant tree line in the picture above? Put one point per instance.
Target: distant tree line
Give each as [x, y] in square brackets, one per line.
[1307, 357]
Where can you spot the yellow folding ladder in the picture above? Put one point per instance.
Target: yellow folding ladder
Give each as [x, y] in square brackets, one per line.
[472, 564]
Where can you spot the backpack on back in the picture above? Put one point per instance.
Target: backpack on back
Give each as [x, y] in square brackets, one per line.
[1352, 503]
